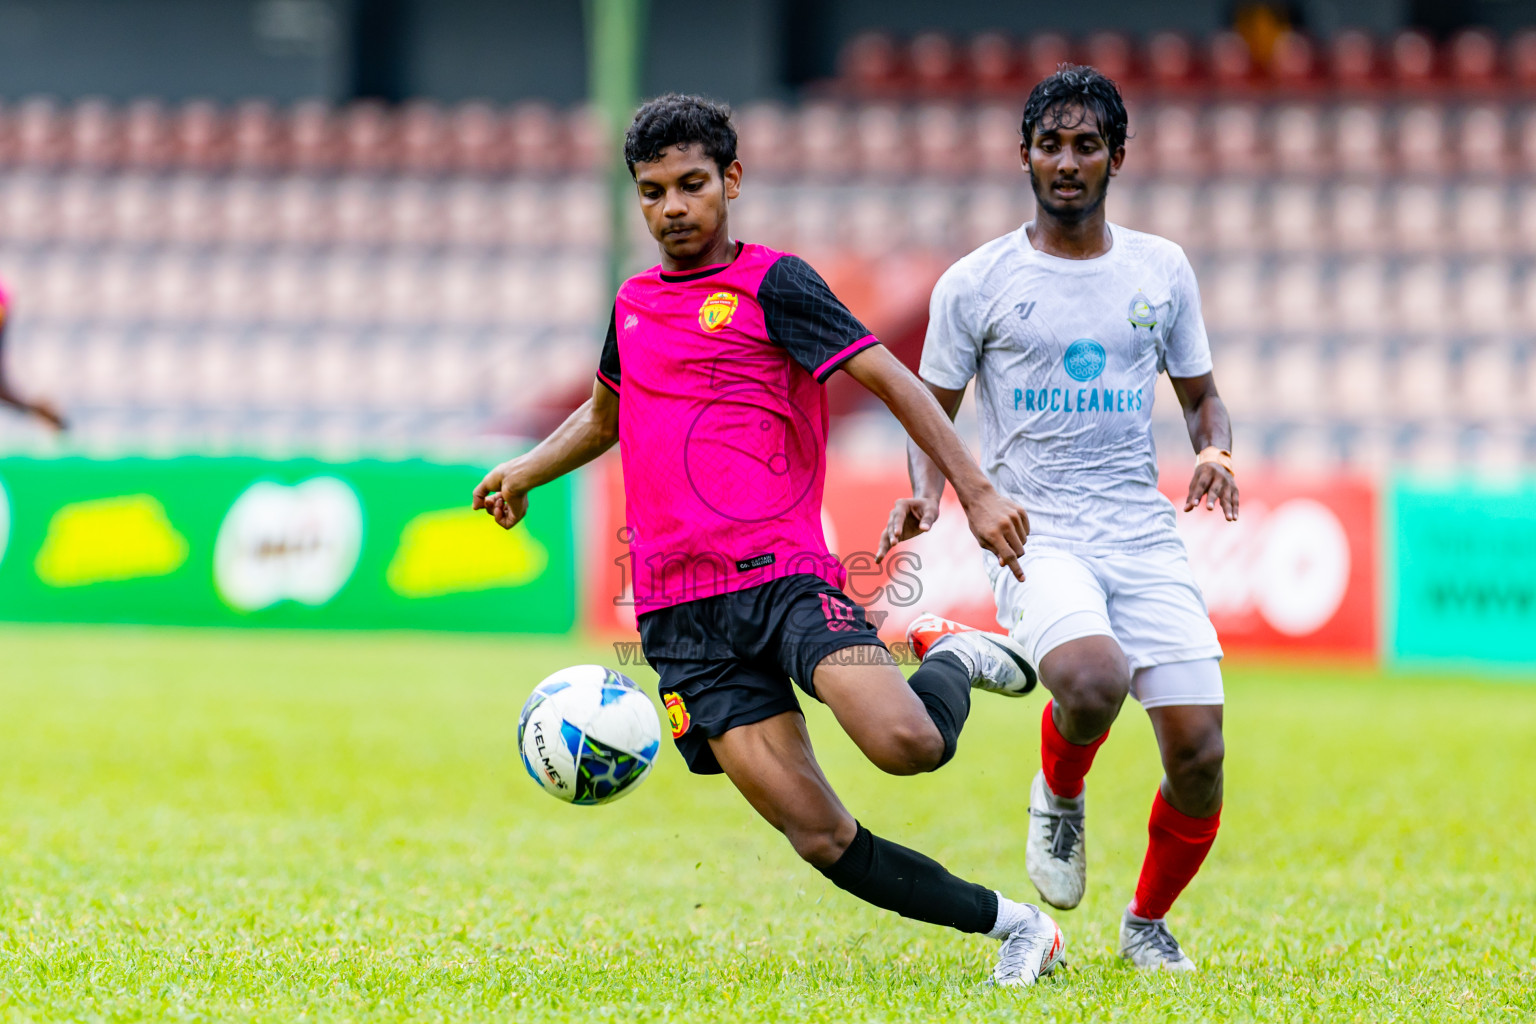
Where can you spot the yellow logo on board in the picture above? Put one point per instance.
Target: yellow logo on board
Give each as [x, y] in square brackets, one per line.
[717, 311]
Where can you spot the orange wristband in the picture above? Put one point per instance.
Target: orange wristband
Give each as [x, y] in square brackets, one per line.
[1220, 456]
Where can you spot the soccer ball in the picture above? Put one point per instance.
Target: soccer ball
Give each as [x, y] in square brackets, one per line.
[588, 735]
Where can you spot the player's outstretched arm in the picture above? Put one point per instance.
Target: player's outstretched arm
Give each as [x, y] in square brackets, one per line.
[1000, 525]
[585, 434]
[917, 514]
[1210, 430]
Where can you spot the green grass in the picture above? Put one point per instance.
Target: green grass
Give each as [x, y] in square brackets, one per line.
[282, 827]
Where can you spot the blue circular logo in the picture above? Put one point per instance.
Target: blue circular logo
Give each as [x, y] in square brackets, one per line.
[1084, 359]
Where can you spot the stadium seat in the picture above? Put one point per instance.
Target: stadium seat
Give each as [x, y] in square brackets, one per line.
[1112, 53]
[193, 213]
[1170, 61]
[536, 141]
[421, 138]
[38, 130]
[1177, 140]
[943, 141]
[1481, 143]
[1421, 144]
[1352, 61]
[367, 138]
[1295, 296]
[1232, 213]
[257, 140]
[1359, 139]
[1489, 381]
[1421, 303]
[479, 139]
[1418, 217]
[357, 211]
[1413, 61]
[1236, 140]
[1356, 218]
[1232, 295]
[1502, 452]
[1360, 300]
[1423, 381]
[1520, 57]
[1293, 63]
[765, 140]
[1474, 60]
[824, 142]
[1433, 450]
[995, 67]
[1307, 450]
[1485, 297]
[199, 137]
[1295, 377]
[871, 65]
[880, 133]
[1359, 381]
[1295, 221]
[934, 63]
[93, 135]
[1171, 212]
[81, 209]
[1043, 55]
[1297, 139]
[994, 143]
[1230, 62]
[312, 137]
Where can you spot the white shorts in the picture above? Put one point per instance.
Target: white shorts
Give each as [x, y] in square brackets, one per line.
[1147, 601]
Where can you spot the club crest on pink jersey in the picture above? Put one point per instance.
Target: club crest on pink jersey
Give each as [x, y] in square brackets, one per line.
[717, 311]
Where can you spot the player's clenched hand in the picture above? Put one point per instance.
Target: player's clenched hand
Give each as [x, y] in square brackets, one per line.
[1213, 484]
[910, 517]
[1001, 527]
[501, 496]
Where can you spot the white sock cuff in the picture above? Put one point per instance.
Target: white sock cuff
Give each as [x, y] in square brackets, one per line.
[1011, 917]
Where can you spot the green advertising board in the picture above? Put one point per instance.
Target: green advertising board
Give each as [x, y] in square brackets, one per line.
[236, 541]
[1465, 560]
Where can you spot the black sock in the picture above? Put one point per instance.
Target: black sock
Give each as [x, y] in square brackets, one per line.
[943, 684]
[895, 878]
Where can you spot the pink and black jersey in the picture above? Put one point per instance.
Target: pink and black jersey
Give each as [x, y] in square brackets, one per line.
[723, 422]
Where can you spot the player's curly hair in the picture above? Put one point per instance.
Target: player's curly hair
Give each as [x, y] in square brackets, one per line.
[1074, 85]
[676, 120]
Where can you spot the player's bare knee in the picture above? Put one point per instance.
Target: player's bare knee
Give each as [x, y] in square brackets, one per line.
[910, 749]
[1196, 766]
[821, 846]
[1090, 697]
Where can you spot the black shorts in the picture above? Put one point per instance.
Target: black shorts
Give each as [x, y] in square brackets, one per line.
[727, 660]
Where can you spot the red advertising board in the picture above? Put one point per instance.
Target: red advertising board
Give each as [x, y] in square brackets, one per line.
[1296, 572]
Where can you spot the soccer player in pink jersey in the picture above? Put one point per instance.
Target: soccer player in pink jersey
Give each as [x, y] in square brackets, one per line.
[8, 396]
[711, 383]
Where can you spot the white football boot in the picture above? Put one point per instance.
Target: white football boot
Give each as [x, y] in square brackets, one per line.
[1033, 949]
[995, 661]
[1056, 855]
[1150, 945]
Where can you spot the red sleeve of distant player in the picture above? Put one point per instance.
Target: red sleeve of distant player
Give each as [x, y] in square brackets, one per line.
[608, 370]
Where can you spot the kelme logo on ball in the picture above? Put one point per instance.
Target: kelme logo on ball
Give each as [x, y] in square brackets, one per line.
[717, 311]
[677, 714]
[1084, 359]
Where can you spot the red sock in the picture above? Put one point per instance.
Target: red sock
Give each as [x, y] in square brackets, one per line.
[1063, 762]
[1176, 848]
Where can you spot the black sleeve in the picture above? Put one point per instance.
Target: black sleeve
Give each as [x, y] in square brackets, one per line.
[806, 319]
[608, 364]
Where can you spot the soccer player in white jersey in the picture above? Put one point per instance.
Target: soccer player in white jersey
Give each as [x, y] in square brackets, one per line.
[1065, 325]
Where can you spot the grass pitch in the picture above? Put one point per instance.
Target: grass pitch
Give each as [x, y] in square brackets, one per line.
[280, 827]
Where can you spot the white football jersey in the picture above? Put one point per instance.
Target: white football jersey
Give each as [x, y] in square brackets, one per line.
[1065, 354]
